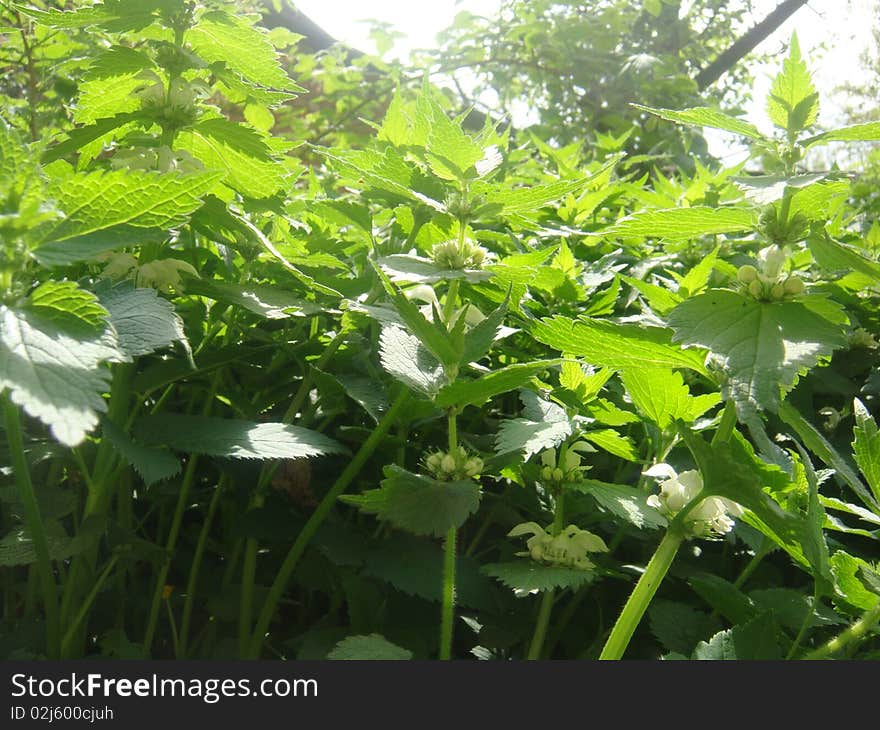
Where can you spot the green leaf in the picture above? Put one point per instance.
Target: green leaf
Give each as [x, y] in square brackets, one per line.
[868, 132]
[730, 469]
[219, 37]
[371, 646]
[53, 374]
[662, 396]
[790, 608]
[819, 445]
[793, 103]
[233, 438]
[706, 117]
[476, 392]
[113, 15]
[618, 346]
[724, 597]
[836, 257]
[431, 334]
[404, 357]
[153, 464]
[108, 86]
[239, 152]
[682, 224]
[526, 576]
[866, 446]
[625, 502]
[267, 301]
[678, 627]
[79, 137]
[659, 299]
[761, 347]
[543, 426]
[480, 338]
[98, 201]
[612, 442]
[144, 322]
[419, 504]
[756, 639]
[68, 306]
[845, 568]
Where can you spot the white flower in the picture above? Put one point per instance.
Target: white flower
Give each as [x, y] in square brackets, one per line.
[711, 517]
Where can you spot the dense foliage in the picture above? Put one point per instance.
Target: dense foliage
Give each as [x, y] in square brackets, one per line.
[444, 393]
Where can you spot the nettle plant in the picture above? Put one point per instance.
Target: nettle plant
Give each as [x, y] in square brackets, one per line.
[531, 361]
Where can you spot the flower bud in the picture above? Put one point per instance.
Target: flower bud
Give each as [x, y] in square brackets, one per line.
[558, 475]
[447, 463]
[794, 285]
[756, 289]
[747, 274]
[777, 291]
[433, 461]
[547, 473]
[473, 466]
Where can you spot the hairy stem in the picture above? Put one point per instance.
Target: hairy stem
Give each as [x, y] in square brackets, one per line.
[448, 611]
[853, 633]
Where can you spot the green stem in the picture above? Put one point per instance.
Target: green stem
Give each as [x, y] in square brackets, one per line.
[641, 596]
[448, 611]
[762, 552]
[316, 520]
[71, 632]
[728, 422]
[451, 301]
[248, 583]
[170, 543]
[853, 633]
[34, 523]
[805, 626]
[192, 581]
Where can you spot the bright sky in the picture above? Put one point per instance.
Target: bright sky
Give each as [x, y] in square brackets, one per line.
[844, 26]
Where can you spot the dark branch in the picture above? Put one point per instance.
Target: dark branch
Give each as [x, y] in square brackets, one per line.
[747, 43]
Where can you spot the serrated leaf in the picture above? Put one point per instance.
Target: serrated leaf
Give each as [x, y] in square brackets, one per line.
[790, 608]
[705, 117]
[543, 425]
[223, 38]
[100, 203]
[421, 270]
[612, 442]
[270, 302]
[819, 445]
[476, 392]
[793, 103]
[678, 627]
[756, 639]
[662, 396]
[525, 576]
[848, 586]
[415, 566]
[761, 347]
[868, 132]
[404, 357]
[153, 464]
[730, 469]
[55, 375]
[113, 15]
[617, 346]
[239, 152]
[480, 338]
[866, 446]
[68, 306]
[419, 504]
[107, 88]
[681, 224]
[625, 502]
[144, 322]
[233, 438]
[834, 256]
[371, 646]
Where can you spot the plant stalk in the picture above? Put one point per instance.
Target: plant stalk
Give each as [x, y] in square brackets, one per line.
[316, 520]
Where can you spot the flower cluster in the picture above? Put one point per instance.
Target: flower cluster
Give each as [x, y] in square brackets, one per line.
[712, 517]
[769, 284]
[568, 548]
[453, 465]
[454, 255]
[568, 469]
